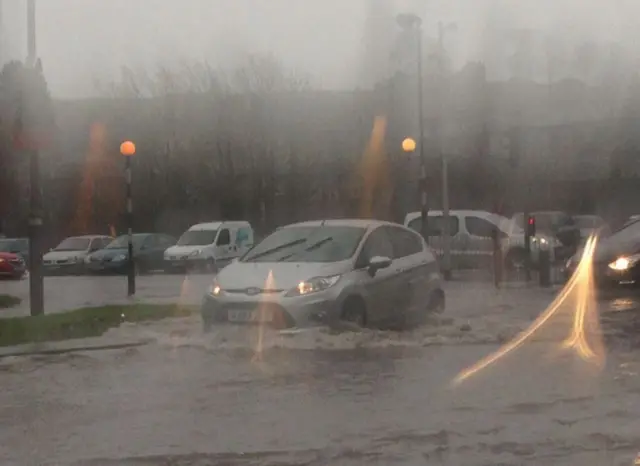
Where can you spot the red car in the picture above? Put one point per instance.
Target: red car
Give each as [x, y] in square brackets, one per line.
[11, 265]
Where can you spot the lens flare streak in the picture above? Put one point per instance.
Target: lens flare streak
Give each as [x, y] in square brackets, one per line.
[584, 316]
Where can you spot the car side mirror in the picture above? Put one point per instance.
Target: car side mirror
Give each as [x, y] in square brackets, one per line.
[378, 262]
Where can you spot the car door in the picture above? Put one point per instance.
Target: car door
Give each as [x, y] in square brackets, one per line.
[379, 290]
[480, 250]
[458, 239]
[242, 240]
[412, 269]
[223, 247]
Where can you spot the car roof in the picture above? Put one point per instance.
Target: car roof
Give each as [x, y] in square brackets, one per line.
[343, 222]
[205, 226]
[462, 212]
[89, 236]
[217, 225]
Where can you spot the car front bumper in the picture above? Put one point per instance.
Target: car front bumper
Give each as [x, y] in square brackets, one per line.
[274, 309]
[63, 268]
[9, 269]
[186, 263]
[106, 266]
[605, 277]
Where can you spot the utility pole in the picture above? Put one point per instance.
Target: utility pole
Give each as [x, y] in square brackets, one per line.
[446, 244]
[2, 43]
[36, 280]
[424, 209]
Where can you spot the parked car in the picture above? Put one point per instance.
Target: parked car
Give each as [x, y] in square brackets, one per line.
[209, 246]
[18, 246]
[558, 224]
[591, 224]
[12, 265]
[368, 272]
[471, 233]
[148, 254]
[69, 255]
[616, 260]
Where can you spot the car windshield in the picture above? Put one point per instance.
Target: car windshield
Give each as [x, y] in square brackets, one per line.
[307, 244]
[627, 234]
[197, 238]
[122, 242]
[73, 244]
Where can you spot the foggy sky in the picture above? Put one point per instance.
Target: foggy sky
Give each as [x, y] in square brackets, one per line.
[79, 40]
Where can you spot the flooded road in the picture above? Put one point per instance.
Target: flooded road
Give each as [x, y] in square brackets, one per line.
[236, 397]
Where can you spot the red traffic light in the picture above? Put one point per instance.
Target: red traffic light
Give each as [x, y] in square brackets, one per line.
[531, 225]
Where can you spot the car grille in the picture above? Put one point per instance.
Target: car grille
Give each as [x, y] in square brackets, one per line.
[18, 262]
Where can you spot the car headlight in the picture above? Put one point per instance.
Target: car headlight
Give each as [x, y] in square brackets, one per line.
[215, 289]
[313, 285]
[624, 263]
[119, 258]
[197, 252]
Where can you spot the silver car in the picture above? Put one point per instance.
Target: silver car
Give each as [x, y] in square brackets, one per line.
[368, 272]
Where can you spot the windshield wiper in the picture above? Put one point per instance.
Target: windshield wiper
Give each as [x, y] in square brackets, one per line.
[275, 249]
[318, 243]
[311, 247]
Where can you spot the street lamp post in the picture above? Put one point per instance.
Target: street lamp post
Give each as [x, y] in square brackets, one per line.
[411, 22]
[446, 244]
[128, 150]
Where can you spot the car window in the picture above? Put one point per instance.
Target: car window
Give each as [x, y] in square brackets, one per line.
[224, 237]
[565, 221]
[197, 237]
[405, 242]
[481, 227]
[435, 225]
[242, 237]
[377, 243]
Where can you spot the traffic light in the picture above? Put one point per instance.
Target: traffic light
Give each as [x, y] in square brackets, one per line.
[531, 226]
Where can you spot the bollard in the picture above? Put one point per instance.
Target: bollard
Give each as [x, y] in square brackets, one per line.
[544, 267]
[497, 259]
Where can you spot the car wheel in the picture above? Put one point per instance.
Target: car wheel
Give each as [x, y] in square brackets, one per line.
[354, 311]
[206, 325]
[139, 268]
[436, 303]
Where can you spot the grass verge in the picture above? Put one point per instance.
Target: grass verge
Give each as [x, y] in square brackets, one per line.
[6, 300]
[83, 322]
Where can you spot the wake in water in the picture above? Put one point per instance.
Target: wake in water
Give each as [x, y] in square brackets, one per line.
[176, 333]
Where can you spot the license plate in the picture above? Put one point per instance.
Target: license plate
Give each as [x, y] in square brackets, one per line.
[249, 316]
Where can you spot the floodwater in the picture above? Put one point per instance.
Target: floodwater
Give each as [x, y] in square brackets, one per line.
[235, 397]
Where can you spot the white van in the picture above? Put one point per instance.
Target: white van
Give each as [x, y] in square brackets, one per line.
[209, 246]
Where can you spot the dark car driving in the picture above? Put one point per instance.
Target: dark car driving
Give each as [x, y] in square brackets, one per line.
[148, 254]
[616, 261]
